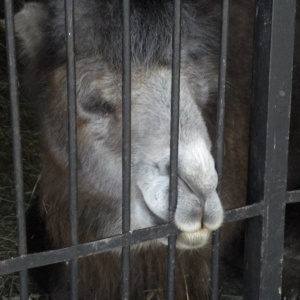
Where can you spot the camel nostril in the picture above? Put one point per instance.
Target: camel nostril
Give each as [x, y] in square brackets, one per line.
[188, 219]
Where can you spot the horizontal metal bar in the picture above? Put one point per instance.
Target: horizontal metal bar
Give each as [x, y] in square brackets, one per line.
[243, 213]
[130, 238]
[293, 197]
[73, 252]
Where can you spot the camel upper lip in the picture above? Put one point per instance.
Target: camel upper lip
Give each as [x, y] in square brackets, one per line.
[158, 220]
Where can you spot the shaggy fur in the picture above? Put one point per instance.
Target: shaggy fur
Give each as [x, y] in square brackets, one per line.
[98, 64]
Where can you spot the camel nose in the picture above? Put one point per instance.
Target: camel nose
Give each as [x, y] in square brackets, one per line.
[198, 204]
[196, 167]
[194, 212]
[201, 181]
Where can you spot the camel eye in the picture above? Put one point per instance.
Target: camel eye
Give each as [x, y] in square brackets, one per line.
[95, 105]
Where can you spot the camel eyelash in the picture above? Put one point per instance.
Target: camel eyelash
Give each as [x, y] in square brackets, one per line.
[95, 104]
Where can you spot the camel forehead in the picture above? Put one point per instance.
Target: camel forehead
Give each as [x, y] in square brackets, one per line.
[93, 75]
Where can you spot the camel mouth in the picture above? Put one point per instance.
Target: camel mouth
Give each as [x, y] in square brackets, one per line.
[193, 240]
[195, 233]
[190, 240]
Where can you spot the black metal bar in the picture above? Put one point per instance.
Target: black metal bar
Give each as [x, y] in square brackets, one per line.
[132, 238]
[82, 250]
[174, 131]
[126, 144]
[175, 95]
[220, 142]
[293, 197]
[16, 138]
[243, 213]
[71, 92]
[272, 84]
[222, 92]
[171, 265]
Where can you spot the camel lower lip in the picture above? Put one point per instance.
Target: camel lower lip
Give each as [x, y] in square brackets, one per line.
[196, 239]
[190, 240]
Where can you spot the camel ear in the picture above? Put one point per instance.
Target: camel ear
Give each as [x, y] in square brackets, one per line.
[30, 29]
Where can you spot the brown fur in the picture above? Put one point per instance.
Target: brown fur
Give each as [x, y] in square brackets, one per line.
[99, 275]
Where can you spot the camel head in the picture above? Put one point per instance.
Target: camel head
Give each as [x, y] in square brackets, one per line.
[99, 137]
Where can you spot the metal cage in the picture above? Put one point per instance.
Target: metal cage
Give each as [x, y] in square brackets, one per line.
[265, 212]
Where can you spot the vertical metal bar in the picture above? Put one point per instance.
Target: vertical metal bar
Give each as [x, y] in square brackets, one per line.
[220, 142]
[272, 86]
[126, 144]
[175, 96]
[71, 91]
[16, 138]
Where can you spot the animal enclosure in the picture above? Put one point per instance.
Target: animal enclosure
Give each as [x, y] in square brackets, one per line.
[270, 160]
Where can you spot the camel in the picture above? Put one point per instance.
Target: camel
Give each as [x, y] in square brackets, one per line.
[40, 28]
